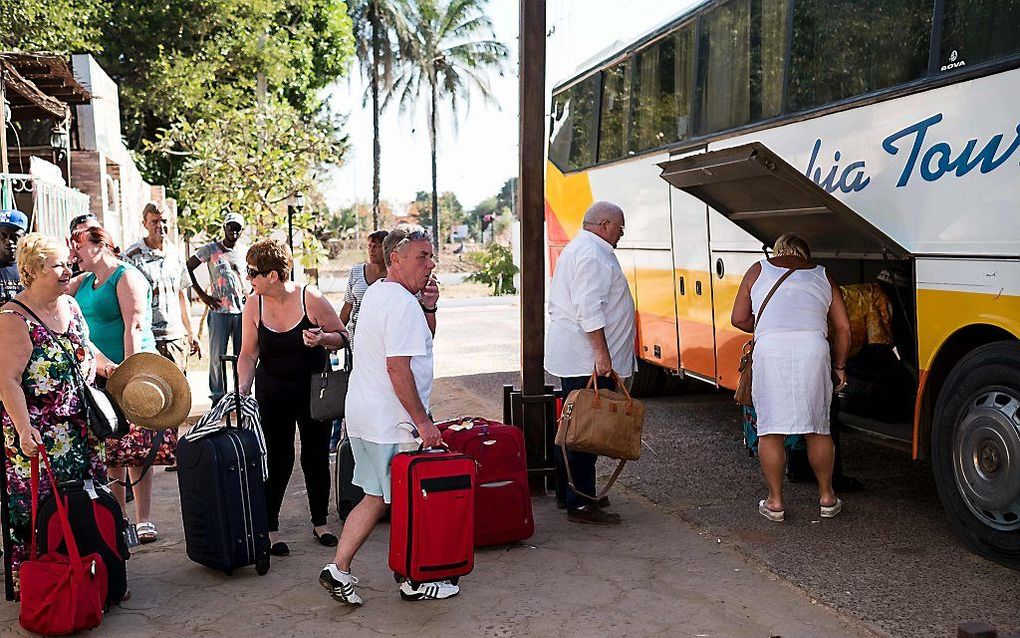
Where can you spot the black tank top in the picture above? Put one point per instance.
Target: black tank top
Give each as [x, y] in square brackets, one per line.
[284, 359]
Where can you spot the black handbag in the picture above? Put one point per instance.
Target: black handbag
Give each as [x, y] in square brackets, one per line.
[103, 416]
[329, 389]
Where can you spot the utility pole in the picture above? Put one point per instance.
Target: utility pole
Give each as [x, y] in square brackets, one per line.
[531, 200]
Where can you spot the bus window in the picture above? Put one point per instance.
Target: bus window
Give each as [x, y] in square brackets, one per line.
[843, 48]
[663, 76]
[615, 111]
[743, 44]
[572, 135]
[976, 31]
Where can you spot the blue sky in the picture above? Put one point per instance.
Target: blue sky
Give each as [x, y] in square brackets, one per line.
[478, 154]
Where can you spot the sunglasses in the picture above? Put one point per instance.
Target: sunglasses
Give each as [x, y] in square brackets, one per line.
[252, 273]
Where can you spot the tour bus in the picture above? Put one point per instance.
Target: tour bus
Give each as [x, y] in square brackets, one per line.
[887, 134]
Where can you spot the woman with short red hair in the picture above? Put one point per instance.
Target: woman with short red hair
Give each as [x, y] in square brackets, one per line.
[117, 303]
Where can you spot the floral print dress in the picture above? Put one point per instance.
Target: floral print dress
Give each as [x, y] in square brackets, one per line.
[56, 409]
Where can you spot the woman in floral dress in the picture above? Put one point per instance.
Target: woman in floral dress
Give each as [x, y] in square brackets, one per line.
[40, 391]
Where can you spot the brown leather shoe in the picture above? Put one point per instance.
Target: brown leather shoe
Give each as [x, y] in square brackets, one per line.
[594, 515]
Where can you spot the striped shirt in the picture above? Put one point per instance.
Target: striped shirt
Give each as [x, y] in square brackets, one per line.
[357, 284]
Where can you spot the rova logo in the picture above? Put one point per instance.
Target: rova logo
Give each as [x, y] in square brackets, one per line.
[953, 64]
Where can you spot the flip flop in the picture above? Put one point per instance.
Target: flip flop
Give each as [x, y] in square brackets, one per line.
[830, 511]
[773, 515]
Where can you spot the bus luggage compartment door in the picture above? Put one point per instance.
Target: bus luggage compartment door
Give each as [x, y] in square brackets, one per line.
[692, 284]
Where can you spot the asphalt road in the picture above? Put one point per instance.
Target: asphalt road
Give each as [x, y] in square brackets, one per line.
[889, 561]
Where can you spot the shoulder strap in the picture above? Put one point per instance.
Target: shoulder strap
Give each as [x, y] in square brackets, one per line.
[304, 307]
[70, 355]
[779, 282]
[260, 310]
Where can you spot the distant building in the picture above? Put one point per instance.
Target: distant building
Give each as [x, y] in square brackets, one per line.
[64, 151]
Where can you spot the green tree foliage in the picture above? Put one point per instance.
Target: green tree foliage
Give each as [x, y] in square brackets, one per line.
[55, 26]
[253, 161]
[200, 59]
[496, 269]
[450, 48]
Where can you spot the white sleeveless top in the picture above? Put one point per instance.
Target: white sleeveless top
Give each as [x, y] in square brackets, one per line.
[800, 304]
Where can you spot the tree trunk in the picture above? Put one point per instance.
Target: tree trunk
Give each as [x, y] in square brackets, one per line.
[376, 149]
[435, 191]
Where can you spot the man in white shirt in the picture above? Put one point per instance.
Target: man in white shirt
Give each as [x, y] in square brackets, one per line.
[390, 385]
[591, 327]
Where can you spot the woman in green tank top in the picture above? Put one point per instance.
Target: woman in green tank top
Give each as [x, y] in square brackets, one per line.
[116, 301]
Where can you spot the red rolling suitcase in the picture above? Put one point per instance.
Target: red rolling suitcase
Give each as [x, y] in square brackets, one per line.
[502, 496]
[432, 515]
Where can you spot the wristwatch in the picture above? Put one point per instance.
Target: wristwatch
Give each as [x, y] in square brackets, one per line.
[428, 310]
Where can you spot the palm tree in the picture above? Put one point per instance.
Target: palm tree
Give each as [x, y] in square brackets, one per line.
[449, 47]
[375, 33]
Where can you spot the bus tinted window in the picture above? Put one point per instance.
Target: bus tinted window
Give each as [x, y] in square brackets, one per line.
[743, 44]
[572, 135]
[615, 111]
[663, 76]
[976, 31]
[843, 48]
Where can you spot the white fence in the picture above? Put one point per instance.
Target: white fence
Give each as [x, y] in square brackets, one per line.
[52, 206]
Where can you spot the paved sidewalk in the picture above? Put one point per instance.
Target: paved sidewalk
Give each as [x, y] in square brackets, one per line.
[652, 575]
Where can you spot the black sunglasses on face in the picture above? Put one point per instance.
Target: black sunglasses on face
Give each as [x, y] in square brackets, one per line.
[252, 273]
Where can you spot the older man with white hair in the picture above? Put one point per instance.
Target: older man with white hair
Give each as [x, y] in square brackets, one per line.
[390, 385]
[591, 328]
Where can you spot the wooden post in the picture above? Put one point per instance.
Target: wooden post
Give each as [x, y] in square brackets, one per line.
[531, 210]
[3, 120]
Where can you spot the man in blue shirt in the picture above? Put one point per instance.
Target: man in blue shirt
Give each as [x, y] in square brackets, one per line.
[13, 226]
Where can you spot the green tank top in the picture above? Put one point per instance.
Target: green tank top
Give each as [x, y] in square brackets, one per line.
[102, 313]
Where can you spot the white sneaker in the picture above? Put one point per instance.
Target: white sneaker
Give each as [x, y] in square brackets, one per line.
[340, 586]
[428, 591]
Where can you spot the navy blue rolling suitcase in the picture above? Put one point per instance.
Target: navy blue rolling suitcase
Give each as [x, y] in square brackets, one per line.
[223, 498]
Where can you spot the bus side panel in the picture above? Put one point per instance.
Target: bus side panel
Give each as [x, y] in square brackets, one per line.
[692, 284]
[652, 288]
[953, 294]
[729, 341]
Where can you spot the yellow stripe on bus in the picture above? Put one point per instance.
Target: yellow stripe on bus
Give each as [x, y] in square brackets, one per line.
[940, 313]
[568, 197]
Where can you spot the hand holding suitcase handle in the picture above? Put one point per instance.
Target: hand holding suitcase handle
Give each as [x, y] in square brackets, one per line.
[441, 447]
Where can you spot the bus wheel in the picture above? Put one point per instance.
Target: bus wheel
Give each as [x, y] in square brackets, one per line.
[976, 450]
[647, 381]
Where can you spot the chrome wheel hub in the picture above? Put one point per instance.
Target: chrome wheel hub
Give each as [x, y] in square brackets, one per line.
[986, 459]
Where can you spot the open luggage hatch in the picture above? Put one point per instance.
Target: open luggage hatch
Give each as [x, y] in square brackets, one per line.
[761, 193]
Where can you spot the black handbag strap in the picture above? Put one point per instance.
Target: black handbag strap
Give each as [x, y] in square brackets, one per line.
[149, 460]
[70, 355]
[157, 442]
[348, 357]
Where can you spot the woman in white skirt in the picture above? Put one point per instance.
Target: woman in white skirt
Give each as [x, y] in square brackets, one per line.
[794, 364]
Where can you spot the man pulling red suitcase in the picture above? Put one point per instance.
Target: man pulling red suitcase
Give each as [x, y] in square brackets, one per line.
[391, 385]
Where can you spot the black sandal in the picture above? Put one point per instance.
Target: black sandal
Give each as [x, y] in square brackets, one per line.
[279, 548]
[327, 539]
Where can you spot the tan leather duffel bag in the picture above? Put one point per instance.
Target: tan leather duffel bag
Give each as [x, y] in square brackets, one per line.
[601, 422]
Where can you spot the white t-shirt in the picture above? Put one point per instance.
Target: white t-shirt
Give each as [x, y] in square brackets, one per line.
[390, 324]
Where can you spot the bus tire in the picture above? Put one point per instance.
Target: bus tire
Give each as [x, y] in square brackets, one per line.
[648, 380]
[976, 450]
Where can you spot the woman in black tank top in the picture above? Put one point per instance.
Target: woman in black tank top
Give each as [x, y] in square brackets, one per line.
[285, 329]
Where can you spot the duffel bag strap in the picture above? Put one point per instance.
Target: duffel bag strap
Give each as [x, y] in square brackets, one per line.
[570, 477]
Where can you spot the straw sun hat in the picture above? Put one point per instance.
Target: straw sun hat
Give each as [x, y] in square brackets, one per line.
[151, 390]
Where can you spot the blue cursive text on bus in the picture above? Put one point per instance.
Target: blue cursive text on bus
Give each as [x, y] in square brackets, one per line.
[938, 159]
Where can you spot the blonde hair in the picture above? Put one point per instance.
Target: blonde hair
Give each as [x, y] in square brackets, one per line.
[792, 244]
[33, 251]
